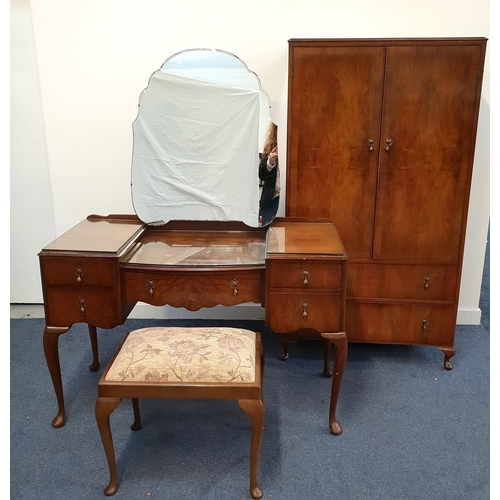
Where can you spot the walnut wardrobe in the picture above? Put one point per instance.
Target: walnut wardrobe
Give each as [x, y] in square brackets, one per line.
[380, 140]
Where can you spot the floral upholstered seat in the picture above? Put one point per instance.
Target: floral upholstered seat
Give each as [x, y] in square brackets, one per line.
[184, 363]
[186, 355]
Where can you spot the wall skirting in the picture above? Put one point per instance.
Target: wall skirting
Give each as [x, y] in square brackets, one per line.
[242, 311]
[469, 316]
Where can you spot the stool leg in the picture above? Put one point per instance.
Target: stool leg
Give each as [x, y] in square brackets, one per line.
[103, 409]
[254, 408]
[137, 415]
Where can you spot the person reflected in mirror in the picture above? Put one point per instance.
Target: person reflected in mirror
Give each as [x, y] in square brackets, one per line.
[269, 177]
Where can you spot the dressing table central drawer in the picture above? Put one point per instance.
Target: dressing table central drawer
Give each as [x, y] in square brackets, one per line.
[193, 289]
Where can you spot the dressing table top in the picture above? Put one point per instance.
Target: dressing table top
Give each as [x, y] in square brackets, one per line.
[198, 244]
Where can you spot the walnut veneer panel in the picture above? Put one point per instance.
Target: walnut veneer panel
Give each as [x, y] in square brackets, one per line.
[335, 102]
[95, 306]
[304, 275]
[409, 282]
[78, 272]
[193, 290]
[430, 107]
[300, 310]
[400, 324]
[97, 235]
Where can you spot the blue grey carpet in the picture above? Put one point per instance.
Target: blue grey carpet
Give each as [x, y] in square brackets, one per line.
[411, 429]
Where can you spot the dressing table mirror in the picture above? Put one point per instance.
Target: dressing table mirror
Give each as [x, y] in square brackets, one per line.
[200, 237]
[200, 130]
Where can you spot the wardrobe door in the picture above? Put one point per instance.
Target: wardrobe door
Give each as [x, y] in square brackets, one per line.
[427, 145]
[335, 102]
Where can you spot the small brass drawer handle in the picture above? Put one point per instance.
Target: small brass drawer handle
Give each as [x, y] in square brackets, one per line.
[424, 325]
[370, 145]
[427, 280]
[305, 277]
[388, 143]
[79, 274]
[234, 285]
[304, 307]
[151, 285]
[82, 306]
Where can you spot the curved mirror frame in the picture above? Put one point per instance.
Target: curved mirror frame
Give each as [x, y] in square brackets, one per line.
[199, 138]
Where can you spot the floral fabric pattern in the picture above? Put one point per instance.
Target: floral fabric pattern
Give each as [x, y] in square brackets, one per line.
[189, 355]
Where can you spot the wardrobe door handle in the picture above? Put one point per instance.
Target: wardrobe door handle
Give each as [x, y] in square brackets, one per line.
[427, 280]
[388, 143]
[371, 142]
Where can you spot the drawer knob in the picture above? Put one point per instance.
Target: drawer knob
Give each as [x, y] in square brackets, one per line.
[234, 285]
[427, 280]
[388, 143]
[304, 307]
[424, 325]
[305, 277]
[82, 306]
[151, 285]
[79, 274]
[370, 145]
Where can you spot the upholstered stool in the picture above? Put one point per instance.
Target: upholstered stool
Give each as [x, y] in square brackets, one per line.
[204, 363]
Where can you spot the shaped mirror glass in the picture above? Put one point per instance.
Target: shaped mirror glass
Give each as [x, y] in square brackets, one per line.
[200, 150]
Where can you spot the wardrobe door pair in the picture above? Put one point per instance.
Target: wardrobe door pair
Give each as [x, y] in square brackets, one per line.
[381, 141]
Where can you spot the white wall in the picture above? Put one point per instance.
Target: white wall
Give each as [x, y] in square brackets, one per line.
[93, 58]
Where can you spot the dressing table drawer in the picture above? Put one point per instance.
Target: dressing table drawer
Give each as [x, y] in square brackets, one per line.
[77, 273]
[193, 289]
[67, 306]
[304, 275]
[291, 311]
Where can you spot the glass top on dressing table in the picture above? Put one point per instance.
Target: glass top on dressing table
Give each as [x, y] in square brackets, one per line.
[199, 248]
[288, 236]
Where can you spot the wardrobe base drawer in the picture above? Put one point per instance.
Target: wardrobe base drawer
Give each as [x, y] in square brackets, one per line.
[398, 281]
[400, 324]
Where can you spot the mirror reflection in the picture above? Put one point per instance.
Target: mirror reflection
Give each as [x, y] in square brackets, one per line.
[205, 146]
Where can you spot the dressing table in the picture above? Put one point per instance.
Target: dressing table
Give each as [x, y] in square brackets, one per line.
[97, 271]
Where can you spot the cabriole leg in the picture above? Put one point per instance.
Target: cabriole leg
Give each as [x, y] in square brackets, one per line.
[95, 355]
[339, 339]
[254, 408]
[326, 365]
[103, 409]
[51, 349]
[137, 415]
[448, 352]
[285, 345]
